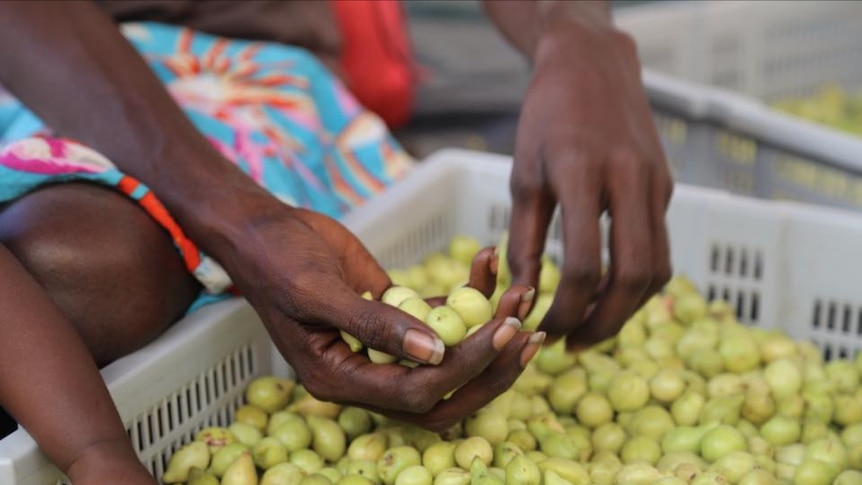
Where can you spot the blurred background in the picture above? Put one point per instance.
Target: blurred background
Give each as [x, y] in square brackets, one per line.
[473, 81]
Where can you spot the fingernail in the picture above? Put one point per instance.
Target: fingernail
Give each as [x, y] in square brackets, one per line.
[422, 347]
[494, 263]
[533, 345]
[526, 302]
[505, 332]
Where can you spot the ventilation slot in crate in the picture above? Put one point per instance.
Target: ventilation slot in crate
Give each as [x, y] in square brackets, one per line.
[431, 236]
[208, 400]
[836, 322]
[736, 274]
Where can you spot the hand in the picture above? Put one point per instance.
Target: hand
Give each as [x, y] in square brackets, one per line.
[586, 141]
[304, 274]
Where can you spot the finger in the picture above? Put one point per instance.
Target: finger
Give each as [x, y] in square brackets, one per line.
[662, 268]
[483, 271]
[515, 302]
[631, 254]
[580, 198]
[399, 388]
[473, 396]
[532, 210]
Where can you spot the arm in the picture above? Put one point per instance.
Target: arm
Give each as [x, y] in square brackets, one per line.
[43, 362]
[586, 142]
[302, 272]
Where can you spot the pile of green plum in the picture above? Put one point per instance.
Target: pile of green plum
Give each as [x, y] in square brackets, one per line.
[683, 394]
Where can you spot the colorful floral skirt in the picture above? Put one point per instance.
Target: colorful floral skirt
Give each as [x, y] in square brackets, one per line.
[273, 110]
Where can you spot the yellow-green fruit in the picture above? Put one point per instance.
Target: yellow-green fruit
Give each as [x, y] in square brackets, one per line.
[201, 477]
[193, 455]
[541, 306]
[473, 447]
[414, 475]
[447, 324]
[316, 479]
[446, 272]
[452, 476]
[549, 276]
[379, 357]
[720, 441]
[307, 459]
[480, 474]
[735, 465]
[252, 415]
[523, 439]
[241, 472]
[354, 343]
[293, 433]
[594, 410]
[354, 421]
[283, 474]
[471, 305]
[814, 472]
[394, 295]
[417, 277]
[329, 472]
[269, 393]
[215, 438]
[365, 468]
[568, 388]
[638, 474]
[269, 452]
[309, 405]
[523, 471]
[368, 447]
[245, 433]
[568, 470]
[354, 480]
[848, 477]
[628, 392]
[327, 438]
[490, 425]
[608, 437]
[555, 359]
[464, 248]
[280, 417]
[416, 307]
[438, 457]
[641, 449]
[667, 385]
[394, 461]
[504, 453]
[225, 457]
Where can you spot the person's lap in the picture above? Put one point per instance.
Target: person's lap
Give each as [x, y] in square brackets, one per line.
[94, 239]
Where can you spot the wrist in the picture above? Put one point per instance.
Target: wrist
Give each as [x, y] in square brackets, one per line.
[567, 27]
[212, 200]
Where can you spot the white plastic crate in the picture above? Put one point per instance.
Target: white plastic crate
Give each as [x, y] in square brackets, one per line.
[710, 65]
[781, 264]
[766, 49]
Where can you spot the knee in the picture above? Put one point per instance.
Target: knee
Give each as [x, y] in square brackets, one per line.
[110, 268]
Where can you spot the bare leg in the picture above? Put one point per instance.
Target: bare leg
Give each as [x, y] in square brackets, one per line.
[86, 274]
[111, 270]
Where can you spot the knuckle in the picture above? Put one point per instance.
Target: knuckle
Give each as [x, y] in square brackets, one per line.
[419, 400]
[584, 275]
[525, 187]
[371, 326]
[633, 280]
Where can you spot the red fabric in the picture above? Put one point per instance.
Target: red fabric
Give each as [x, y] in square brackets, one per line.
[376, 57]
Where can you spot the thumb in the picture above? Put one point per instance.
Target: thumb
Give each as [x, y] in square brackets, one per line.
[381, 327]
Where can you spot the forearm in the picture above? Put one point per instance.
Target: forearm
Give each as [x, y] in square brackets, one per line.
[71, 65]
[48, 380]
[524, 22]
